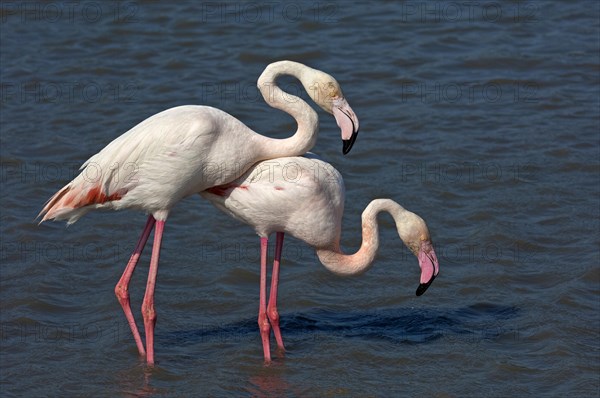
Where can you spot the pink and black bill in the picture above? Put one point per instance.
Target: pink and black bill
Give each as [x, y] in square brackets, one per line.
[429, 266]
[423, 286]
[347, 121]
[347, 144]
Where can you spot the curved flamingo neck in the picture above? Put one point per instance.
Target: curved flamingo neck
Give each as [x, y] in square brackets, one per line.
[306, 117]
[353, 264]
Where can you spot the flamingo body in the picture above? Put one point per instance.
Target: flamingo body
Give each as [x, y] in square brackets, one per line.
[190, 148]
[308, 203]
[300, 196]
[165, 158]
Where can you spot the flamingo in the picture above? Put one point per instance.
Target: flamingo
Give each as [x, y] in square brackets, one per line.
[186, 150]
[304, 197]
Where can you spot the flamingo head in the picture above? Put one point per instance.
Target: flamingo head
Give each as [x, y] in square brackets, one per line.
[415, 235]
[325, 91]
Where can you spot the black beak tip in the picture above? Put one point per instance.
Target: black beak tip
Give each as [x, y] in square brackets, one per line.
[349, 143]
[347, 146]
[423, 286]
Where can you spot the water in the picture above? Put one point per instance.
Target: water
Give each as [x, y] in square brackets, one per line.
[481, 117]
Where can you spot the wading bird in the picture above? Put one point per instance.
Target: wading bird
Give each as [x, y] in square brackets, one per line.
[186, 150]
[304, 197]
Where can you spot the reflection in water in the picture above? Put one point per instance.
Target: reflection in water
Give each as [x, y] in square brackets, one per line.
[136, 381]
[270, 383]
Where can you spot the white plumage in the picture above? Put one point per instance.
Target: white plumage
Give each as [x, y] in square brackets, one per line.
[304, 197]
[187, 149]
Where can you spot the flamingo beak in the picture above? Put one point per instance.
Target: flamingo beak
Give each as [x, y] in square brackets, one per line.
[347, 121]
[429, 266]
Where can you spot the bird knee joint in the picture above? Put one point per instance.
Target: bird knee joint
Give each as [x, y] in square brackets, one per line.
[263, 323]
[122, 294]
[148, 312]
[273, 315]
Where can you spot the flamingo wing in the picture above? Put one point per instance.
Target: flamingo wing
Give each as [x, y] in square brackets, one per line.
[150, 167]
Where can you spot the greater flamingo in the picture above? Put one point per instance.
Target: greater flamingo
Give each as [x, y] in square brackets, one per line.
[185, 150]
[304, 197]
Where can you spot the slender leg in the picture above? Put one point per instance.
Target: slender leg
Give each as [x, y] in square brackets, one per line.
[148, 305]
[272, 308]
[122, 288]
[263, 321]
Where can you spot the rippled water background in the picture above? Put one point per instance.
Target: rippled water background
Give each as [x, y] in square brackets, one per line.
[482, 117]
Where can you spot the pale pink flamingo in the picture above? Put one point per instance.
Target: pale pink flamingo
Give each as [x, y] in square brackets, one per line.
[185, 150]
[304, 197]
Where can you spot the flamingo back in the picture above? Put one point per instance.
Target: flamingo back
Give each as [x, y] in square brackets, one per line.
[301, 196]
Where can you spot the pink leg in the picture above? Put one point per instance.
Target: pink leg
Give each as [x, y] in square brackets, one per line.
[122, 288]
[148, 305]
[272, 308]
[263, 322]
